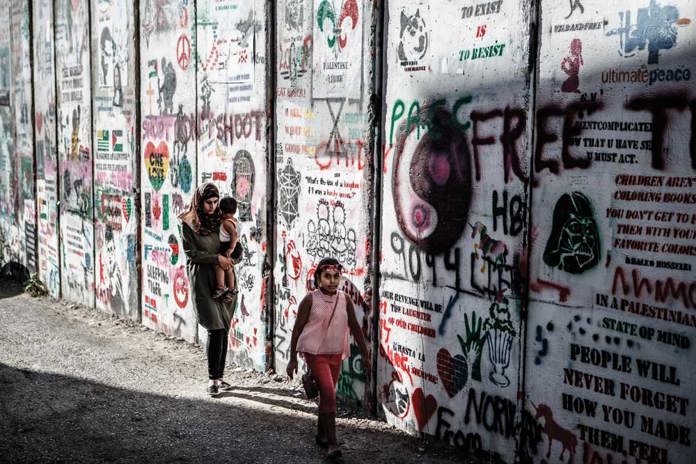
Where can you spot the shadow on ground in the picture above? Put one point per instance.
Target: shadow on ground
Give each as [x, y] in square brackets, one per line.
[54, 418]
[10, 287]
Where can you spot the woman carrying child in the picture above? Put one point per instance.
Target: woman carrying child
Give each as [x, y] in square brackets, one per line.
[325, 318]
[201, 242]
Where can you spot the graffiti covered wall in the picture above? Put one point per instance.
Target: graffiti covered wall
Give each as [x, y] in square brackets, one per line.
[611, 320]
[324, 68]
[74, 115]
[46, 147]
[168, 161]
[454, 196]
[535, 207]
[115, 166]
[22, 123]
[232, 148]
[9, 232]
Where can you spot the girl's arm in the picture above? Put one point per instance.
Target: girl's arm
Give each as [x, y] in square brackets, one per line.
[358, 336]
[302, 317]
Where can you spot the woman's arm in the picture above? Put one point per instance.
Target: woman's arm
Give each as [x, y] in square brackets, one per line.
[358, 336]
[302, 317]
[193, 253]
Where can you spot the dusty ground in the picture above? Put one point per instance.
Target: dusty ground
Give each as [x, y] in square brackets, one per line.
[78, 385]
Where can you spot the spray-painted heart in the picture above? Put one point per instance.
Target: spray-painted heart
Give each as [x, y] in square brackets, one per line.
[423, 407]
[453, 371]
[157, 163]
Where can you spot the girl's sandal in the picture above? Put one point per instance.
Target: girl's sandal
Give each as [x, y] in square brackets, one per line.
[220, 292]
[229, 295]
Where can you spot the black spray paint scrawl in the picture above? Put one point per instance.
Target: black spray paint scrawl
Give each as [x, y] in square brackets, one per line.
[440, 177]
[574, 243]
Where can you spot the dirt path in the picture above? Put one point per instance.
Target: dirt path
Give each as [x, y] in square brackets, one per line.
[77, 385]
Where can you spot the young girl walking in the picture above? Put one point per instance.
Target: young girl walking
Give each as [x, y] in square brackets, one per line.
[325, 318]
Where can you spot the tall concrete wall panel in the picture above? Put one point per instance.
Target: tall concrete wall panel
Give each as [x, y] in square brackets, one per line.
[611, 322]
[74, 113]
[454, 192]
[23, 127]
[533, 206]
[322, 160]
[168, 161]
[9, 233]
[17, 204]
[232, 80]
[115, 157]
[46, 146]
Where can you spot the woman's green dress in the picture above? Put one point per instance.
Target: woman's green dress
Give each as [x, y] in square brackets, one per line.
[202, 254]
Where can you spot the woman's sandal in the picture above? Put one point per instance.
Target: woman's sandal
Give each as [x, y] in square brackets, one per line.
[334, 452]
[321, 442]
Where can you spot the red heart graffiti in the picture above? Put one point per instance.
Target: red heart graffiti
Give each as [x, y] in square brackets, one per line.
[453, 371]
[423, 407]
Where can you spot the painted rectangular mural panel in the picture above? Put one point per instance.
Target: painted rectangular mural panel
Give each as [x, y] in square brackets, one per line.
[9, 234]
[75, 151]
[611, 320]
[23, 125]
[168, 161]
[232, 148]
[115, 174]
[606, 261]
[322, 163]
[45, 150]
[454, 196]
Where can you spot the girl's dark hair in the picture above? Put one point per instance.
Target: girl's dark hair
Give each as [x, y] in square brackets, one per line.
[209, 223]
[320, 268]
[228, 205]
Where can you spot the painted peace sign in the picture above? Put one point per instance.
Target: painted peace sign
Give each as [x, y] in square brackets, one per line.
[183, 52]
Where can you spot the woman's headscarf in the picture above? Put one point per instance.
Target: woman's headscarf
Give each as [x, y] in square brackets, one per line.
[195, 217]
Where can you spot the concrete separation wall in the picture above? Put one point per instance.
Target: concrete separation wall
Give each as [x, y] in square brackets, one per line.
[510, 186]
[23, 130]
[611, 321]
[17, 204]
[456, 171]
[232, 82]
[167, 163]
[45, 143]
[115, 158]
[324, 64]
[8, 230]
[74, 136]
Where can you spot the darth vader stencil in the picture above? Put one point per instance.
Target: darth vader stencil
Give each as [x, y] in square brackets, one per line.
[574, 243]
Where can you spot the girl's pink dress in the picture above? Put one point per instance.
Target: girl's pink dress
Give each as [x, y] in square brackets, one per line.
[320, 337]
